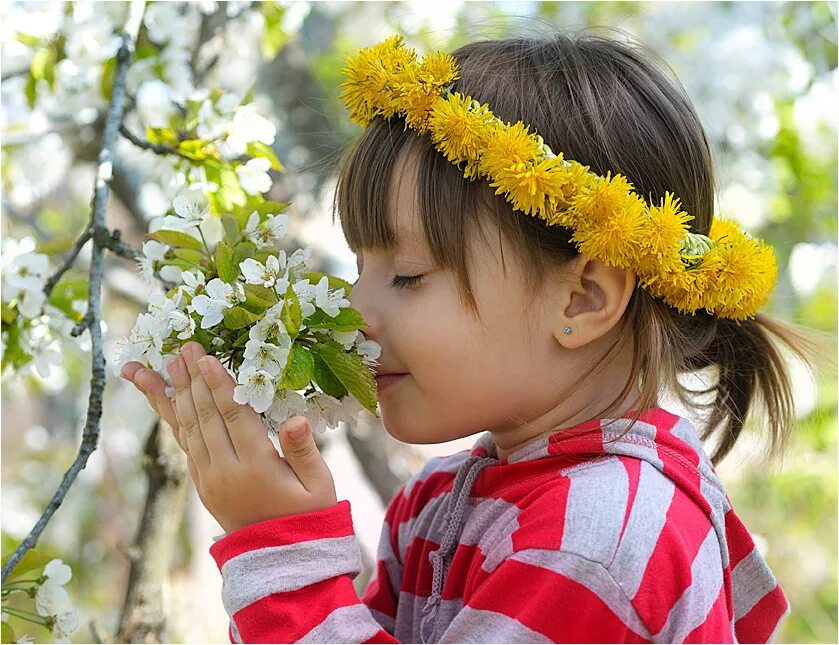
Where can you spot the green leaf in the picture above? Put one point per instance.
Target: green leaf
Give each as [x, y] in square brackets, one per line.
[229, 194]
[243, 339]
[263, 150]
[299, 369]
[8, 634]
[197, 149]
[183, 265]
[348, 319]
[227, 270]
[242, 251]
[191, 255]
[164, 136]
[231, 229]
[65, 292]
[273, 36]
[292, 313]
[326, 379]
[31, 91]
[238, 317]
[262, 255]
[8, 314]
[260, 296]
[32, 559]
[177, 239]
[351, 371]
[334, 282]
[106, 82]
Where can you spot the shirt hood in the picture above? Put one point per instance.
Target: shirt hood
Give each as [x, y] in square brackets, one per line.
[666, 441]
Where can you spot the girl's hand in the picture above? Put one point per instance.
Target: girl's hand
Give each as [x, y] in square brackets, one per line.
[236, 470]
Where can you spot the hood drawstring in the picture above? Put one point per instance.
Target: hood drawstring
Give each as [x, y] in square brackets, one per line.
[441, 558]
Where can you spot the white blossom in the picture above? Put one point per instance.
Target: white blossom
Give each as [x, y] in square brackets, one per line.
[191, 205]
[153, 251]
[163, 20]
[330, 302]
[249, 126]
[66, 622]
[306, 292]
[58, 572]
[51, 599]
[267, 356]
[253, 176]
[27, 272]
[267, 275]
[286, 404]
[217, 297]
[269, 233]
[193, 280]
[270, 325]
[369, 350]
[255, 387]
[154, 104]
[181, 323]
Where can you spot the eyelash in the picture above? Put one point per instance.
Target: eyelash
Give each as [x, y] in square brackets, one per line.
[401, 281]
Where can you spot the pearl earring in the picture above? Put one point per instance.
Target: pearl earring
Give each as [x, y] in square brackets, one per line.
[567, 330]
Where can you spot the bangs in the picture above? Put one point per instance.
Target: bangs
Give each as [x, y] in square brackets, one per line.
[446, 202]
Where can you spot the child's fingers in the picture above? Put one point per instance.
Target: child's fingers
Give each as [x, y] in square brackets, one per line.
[154, 388]
[188, 423]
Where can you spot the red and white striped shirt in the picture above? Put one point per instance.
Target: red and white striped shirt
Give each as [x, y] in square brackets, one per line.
[582, 536]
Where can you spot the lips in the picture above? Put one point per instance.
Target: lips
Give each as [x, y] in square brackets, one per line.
[384, 381]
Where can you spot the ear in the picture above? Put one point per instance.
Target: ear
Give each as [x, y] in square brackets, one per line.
[592, 299]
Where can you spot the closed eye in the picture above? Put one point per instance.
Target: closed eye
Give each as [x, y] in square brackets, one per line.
[401, 281]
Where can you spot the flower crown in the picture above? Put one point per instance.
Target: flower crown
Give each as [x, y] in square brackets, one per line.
[727, 273]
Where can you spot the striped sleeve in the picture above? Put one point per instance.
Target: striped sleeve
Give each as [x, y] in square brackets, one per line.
[289, 580]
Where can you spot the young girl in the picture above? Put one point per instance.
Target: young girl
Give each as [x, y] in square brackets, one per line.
[585, 512]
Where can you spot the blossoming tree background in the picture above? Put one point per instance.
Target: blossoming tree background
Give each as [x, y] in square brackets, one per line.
[112, 112]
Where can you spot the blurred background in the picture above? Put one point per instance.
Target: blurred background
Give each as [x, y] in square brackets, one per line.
[762, 76]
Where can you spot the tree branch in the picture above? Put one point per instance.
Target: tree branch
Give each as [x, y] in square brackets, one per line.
[90, 435]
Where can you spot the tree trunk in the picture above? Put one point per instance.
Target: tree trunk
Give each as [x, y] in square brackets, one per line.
[144, 613]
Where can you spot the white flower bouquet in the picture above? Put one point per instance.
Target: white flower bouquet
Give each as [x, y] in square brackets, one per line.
[286, 335]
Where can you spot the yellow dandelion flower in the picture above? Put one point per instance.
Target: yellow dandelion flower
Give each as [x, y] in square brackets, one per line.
[509, 144]
[666, 226]
[745, 279]
[596, 201]
[616, 238]
[370, 90]
[459, 129]
[437, 70]
[416, 106]
[528, 184]
[725, 230]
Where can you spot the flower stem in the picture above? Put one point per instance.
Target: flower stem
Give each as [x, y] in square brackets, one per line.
[207, 248]
[26, 615]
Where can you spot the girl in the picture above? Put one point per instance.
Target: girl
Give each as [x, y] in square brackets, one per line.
[584, 512]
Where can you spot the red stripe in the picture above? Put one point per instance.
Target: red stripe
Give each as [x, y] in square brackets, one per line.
[379, 594]
[668, 571]
[633, 473]
[286, 617]
[757, 625]
[331, 522]
[740, 543]
[552, 604]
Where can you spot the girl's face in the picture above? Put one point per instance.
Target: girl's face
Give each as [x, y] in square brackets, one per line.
[504, 372]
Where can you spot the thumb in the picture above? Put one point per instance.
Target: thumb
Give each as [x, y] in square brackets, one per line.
[302, 454]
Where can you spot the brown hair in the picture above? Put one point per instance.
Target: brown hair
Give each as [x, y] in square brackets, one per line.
[602, 103]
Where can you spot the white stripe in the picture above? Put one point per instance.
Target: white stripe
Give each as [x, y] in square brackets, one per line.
[692, 608]
[262, 572]
[483, 626]
[751, 580]
[445, 464]
[351, 624]
[595, 508]
[646, 519]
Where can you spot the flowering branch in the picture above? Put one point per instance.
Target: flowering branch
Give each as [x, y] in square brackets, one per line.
[90, 434]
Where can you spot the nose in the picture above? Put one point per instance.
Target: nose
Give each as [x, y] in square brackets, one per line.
[360, 301]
